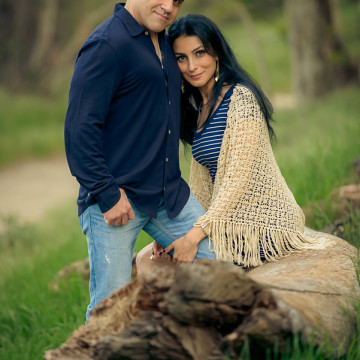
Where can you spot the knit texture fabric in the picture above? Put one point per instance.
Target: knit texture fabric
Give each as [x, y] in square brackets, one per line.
[249, 202]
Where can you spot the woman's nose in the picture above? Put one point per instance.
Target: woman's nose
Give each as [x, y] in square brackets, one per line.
[192, 65]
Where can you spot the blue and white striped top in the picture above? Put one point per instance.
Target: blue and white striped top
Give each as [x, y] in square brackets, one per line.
[207, 142]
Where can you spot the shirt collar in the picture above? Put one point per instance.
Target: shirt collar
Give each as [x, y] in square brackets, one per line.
[130, 23]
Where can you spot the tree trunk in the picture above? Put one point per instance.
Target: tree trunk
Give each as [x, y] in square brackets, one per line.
[31, 46]
[18, 19]
[82, 31]
[320, 62]
[45, 36]
[209, 310]
[248, 23]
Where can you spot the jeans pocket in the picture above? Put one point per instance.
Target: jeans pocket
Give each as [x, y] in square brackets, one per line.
[84, 220]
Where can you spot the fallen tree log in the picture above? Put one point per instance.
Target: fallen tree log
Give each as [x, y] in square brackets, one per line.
[209, 309]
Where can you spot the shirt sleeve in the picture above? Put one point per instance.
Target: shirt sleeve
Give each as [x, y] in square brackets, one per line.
[242, 139]
[97, 76]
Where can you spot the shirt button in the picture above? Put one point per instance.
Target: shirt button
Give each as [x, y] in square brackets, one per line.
[167, 159]
[169, 102]
[169, 132]
[146, 33]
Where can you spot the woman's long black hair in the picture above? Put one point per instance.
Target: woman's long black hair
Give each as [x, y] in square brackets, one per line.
[230, 73]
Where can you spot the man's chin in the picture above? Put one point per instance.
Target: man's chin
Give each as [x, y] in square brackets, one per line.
[159, 26]
[158, 29]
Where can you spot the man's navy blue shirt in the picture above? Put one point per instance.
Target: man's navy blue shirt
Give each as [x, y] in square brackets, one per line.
[123, 119]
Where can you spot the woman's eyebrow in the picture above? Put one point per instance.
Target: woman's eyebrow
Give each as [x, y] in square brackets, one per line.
[196, 49]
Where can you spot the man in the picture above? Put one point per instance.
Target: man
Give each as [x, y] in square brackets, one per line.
[121, 139]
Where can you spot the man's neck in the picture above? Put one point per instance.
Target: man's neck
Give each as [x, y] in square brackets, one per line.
[128, 6]
[155, 40]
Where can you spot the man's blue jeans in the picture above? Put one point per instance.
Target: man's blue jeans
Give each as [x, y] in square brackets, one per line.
[111, 247]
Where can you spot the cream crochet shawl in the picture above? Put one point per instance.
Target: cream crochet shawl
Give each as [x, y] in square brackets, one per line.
[249, 199]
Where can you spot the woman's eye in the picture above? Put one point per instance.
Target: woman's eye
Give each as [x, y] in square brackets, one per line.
[200, 52]
[180, 58]
[178, 2]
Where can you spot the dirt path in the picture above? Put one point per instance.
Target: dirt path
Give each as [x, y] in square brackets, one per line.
[29, 190]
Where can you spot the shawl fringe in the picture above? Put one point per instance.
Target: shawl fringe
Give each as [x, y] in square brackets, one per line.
[240, 243]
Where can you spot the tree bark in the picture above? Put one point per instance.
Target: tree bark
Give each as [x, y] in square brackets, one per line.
[319, 60]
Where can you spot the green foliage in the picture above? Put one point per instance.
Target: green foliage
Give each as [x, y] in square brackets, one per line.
[73, 13]
[322, 139]
[352, 231]
[350, 28]
[14, 236]
[258, 9]
[30, 127]
[273, 46]
[264, 9]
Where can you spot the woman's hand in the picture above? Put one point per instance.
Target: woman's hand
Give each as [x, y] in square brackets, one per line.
[158, 252]
[186, 247]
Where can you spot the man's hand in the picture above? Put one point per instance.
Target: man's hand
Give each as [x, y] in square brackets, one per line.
[186, 247]
[120, 213]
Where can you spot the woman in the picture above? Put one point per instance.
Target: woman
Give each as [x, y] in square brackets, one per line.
[251, 215]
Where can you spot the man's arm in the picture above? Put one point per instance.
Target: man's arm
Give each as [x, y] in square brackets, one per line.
[96, 78]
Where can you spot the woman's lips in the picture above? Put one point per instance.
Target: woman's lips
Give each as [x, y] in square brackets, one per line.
[195, 77]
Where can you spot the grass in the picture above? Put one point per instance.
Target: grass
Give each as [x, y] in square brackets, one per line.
[322, 139]
[33, 317]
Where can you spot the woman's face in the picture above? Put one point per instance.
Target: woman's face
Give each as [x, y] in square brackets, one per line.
[196, 65]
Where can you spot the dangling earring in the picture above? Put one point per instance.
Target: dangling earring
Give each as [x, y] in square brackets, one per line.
[217, 71]
[182, 86]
